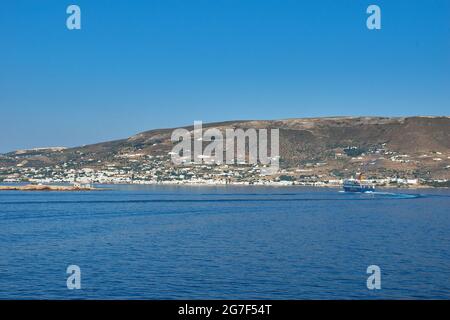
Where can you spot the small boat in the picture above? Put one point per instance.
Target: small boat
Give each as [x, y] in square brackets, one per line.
[358, 185]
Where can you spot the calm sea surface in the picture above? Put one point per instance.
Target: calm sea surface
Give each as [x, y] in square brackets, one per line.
[155, 242]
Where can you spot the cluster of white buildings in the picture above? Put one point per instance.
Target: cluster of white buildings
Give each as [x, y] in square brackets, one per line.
[138, 168]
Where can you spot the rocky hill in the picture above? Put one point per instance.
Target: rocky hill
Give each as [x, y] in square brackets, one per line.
[335, 146]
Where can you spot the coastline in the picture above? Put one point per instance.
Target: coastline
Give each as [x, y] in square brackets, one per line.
[32, 187]
[55, 187]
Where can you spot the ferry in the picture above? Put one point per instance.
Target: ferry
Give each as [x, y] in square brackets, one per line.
[358, 185]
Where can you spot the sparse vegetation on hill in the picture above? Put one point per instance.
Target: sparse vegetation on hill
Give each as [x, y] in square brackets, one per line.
[317, 148]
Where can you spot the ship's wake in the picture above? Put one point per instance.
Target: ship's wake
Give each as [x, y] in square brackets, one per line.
[386, 195]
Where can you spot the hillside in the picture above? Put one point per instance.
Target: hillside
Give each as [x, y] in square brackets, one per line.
[334, 147]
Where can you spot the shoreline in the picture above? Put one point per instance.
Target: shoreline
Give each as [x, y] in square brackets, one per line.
[60, 187]
[32, 187]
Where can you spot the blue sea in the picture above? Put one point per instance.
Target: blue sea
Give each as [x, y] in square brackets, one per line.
[170, 242]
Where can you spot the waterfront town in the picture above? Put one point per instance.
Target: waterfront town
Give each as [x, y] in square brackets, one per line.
[388, 152]
[379, 166]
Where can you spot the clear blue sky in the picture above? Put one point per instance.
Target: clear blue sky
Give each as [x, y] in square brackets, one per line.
[139, 65]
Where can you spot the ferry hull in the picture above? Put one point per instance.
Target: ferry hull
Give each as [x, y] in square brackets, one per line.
[359, 189]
